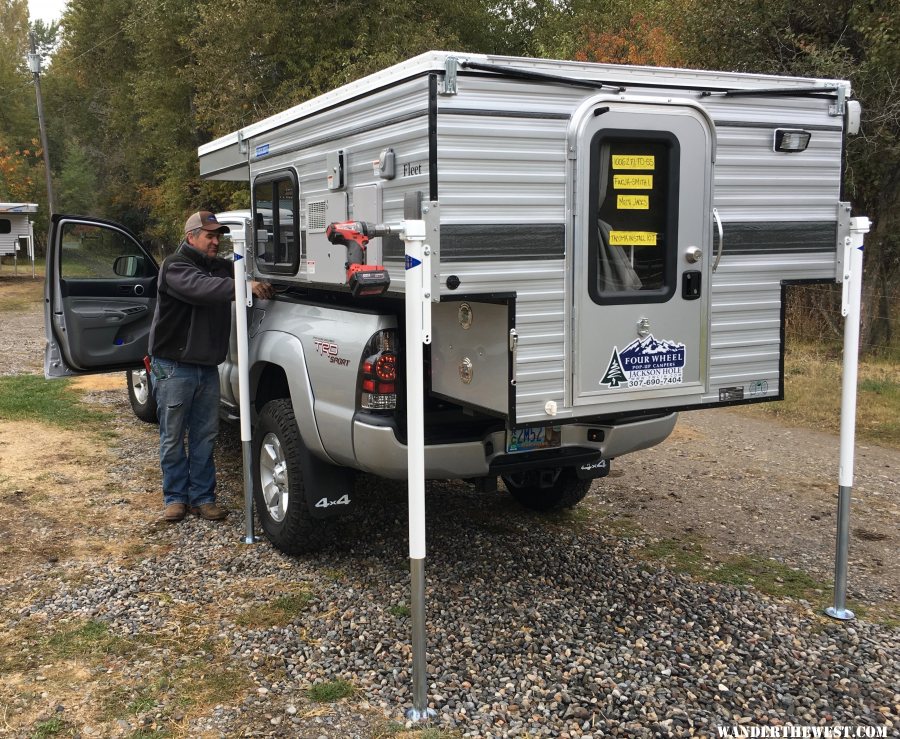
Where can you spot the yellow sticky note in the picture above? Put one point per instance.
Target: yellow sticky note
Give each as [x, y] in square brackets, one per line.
[634, 161]
[633, 181]
[632, 238]
[632, 202]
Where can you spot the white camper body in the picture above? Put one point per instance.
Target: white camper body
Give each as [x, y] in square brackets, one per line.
[574, 215]
[16, 229]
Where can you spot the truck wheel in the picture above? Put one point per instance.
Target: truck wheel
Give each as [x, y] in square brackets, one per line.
[279, 488]
[141, 395]
[547, 489]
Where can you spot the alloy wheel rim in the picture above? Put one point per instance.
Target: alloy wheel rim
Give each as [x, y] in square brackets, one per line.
[273, 477]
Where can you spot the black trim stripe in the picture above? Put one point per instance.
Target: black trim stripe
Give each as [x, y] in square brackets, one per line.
[432, 137]
[501, 242]
[506, 113]
[772, 237]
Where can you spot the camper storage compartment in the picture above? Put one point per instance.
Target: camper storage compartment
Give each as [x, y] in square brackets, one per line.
[473, 349]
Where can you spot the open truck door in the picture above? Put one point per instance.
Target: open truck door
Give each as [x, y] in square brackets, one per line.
[99, 297]
[643, 229]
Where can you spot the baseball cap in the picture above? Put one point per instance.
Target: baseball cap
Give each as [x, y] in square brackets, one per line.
[205, 220]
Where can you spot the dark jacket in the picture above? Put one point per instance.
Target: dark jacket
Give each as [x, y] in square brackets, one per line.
[192, 322]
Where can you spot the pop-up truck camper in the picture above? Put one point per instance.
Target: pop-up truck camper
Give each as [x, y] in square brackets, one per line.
[608, 245]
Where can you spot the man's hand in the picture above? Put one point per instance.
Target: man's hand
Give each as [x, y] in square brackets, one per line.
[262, 290]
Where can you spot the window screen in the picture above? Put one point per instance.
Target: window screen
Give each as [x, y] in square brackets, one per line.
[632, 217]
[275, 208]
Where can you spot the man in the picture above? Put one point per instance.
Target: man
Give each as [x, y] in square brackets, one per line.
[189, 336]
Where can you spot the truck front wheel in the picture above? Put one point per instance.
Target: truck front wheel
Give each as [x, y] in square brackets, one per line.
[547, 489]
[141, 395]
[279, 486]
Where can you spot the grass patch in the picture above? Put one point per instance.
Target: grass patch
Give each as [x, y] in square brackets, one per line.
[813, 395]
[32, 398]
[202, 682]
[278, 612]
[50, 727]
[88, 639]
[399, 611]
[766, 575]
[20, 293]
[331, 691]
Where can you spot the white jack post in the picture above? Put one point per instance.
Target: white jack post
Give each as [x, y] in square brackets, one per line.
[850, 309]
[418, 333]
[243, 299]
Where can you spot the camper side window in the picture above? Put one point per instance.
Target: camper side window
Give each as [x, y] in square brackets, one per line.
[633, 214]
[5, 226]
[275, 208]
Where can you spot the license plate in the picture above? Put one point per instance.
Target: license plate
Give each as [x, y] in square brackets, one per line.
[532, 437]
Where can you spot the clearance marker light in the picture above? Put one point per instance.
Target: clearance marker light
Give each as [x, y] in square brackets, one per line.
[791, 140]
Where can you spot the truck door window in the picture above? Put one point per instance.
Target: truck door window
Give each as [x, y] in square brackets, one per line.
[275, 208]
[632, 216]
[90, 253]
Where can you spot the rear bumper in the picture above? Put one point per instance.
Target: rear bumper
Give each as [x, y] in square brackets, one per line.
[377, 449]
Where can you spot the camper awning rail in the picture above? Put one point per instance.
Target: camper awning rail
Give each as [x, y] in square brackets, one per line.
[527, 74]
[773, 91]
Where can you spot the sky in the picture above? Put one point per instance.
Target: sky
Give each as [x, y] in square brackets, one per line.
[46, 10]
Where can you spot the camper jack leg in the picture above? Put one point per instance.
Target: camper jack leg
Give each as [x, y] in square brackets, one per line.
[241, 303]
[418, 333]
[852, 293]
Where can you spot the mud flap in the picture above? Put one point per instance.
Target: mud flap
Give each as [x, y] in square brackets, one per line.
[329, 490]
[593, 469]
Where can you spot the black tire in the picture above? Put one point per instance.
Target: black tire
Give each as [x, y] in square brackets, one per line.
[278, 485]
[562, 488]
[142, 396]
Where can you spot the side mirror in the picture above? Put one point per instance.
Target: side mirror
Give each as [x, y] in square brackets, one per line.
[127, 266]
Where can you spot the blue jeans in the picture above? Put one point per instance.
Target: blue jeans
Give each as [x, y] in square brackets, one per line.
[187, 402]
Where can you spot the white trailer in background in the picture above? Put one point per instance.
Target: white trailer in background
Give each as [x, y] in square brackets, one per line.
[17, 232]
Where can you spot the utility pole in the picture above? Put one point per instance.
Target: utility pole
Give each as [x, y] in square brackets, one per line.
[34, 63]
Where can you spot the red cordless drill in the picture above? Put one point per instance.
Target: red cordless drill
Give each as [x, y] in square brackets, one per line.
[363, 279]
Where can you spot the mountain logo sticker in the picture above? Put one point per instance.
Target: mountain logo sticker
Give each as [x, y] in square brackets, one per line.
[647, 362]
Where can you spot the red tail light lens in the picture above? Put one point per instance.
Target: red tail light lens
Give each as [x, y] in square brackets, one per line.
[378, 372]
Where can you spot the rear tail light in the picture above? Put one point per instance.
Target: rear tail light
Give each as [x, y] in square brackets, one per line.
[378, 375]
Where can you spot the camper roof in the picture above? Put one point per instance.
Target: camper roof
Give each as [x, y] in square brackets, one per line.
[233, 164]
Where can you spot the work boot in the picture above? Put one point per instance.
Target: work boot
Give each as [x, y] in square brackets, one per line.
[209, 512]
[174, 512]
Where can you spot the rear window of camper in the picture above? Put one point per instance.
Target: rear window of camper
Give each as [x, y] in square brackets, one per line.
[633, 216]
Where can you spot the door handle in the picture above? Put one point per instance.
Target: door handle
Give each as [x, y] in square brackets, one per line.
[721, 239]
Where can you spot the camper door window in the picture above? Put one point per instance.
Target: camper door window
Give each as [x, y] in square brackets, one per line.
[632, 216]
[275, 209]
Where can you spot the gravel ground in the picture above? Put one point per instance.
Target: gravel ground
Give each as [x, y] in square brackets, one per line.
[536, 626]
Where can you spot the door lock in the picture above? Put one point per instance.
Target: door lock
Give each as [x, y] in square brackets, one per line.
[693, 254]
[643, 327]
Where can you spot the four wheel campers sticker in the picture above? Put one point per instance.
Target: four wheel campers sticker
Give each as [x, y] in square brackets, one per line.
[646, 362]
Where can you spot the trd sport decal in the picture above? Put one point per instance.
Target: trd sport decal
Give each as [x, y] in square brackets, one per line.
[645, 362]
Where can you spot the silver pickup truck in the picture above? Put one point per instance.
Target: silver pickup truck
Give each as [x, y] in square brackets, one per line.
[327, 391]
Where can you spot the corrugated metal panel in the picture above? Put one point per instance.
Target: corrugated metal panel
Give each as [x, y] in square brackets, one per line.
[745, 325]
